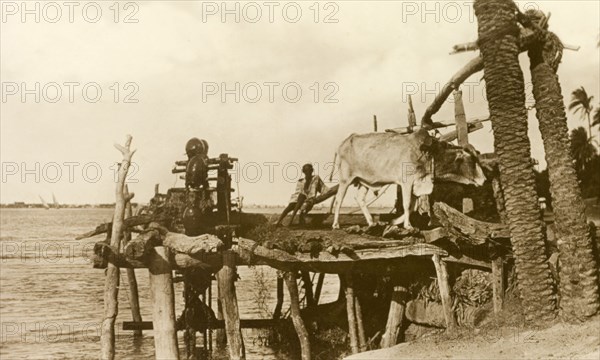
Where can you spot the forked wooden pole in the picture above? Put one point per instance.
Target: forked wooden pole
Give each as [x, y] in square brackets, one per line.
[163, 304]
[292, 285]
[111, 282]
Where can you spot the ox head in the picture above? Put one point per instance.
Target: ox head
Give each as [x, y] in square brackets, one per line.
[455, 163]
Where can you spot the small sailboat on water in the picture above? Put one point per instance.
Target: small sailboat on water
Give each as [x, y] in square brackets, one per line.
[44, 203]
[55, 204]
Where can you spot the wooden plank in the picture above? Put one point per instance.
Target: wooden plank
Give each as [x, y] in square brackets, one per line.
[468, 261]
[395, 317]
[163, 304]
[251, 253]
[217, 324]
[292, 285]
[226, 282]
[444, 286]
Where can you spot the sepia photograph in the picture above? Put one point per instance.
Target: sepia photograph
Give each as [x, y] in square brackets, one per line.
[302, 180]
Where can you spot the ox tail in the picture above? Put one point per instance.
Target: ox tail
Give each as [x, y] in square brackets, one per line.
[333, 167]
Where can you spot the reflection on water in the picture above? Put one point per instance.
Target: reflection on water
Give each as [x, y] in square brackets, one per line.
[51, 299]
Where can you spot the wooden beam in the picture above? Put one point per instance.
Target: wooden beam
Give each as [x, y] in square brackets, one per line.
[395, 317]
[453, 135]
[292, 285]
[444, 286]
[192, 245]
[473, 66]
[142, 245]
[127, 224]
[163, 304]
[475, 232]
[226, 282]
[352, 326]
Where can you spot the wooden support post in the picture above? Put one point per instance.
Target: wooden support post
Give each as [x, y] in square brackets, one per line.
[226, 282]
[462, 130]
[134, 300]
[462, 134]
[443, 284]
[209, 303]
[375, 123]
[308, 290]
[320, 281]
[112, 278]
[189, 334]
[360, 328]
[163, 304]
[292, 285]
[221, 339]
[498, 283]
[351, 313]
[412, 118]
[395, 317]
[279, 305]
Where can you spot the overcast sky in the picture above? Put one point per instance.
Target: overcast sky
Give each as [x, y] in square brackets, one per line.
[163, 66]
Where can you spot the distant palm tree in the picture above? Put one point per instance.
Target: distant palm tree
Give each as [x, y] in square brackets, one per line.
[582, 149]
[581, 102]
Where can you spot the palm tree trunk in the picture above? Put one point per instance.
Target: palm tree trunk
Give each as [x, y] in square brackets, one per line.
[505, 89]
[578, 270]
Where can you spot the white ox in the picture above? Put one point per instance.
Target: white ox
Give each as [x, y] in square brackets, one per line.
[373, 160]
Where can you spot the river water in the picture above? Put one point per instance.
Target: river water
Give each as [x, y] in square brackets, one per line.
[51, 299]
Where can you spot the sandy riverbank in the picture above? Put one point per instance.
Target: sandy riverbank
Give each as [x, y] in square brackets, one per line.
[559, 341]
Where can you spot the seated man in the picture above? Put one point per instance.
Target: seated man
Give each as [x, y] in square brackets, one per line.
[306, 189]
